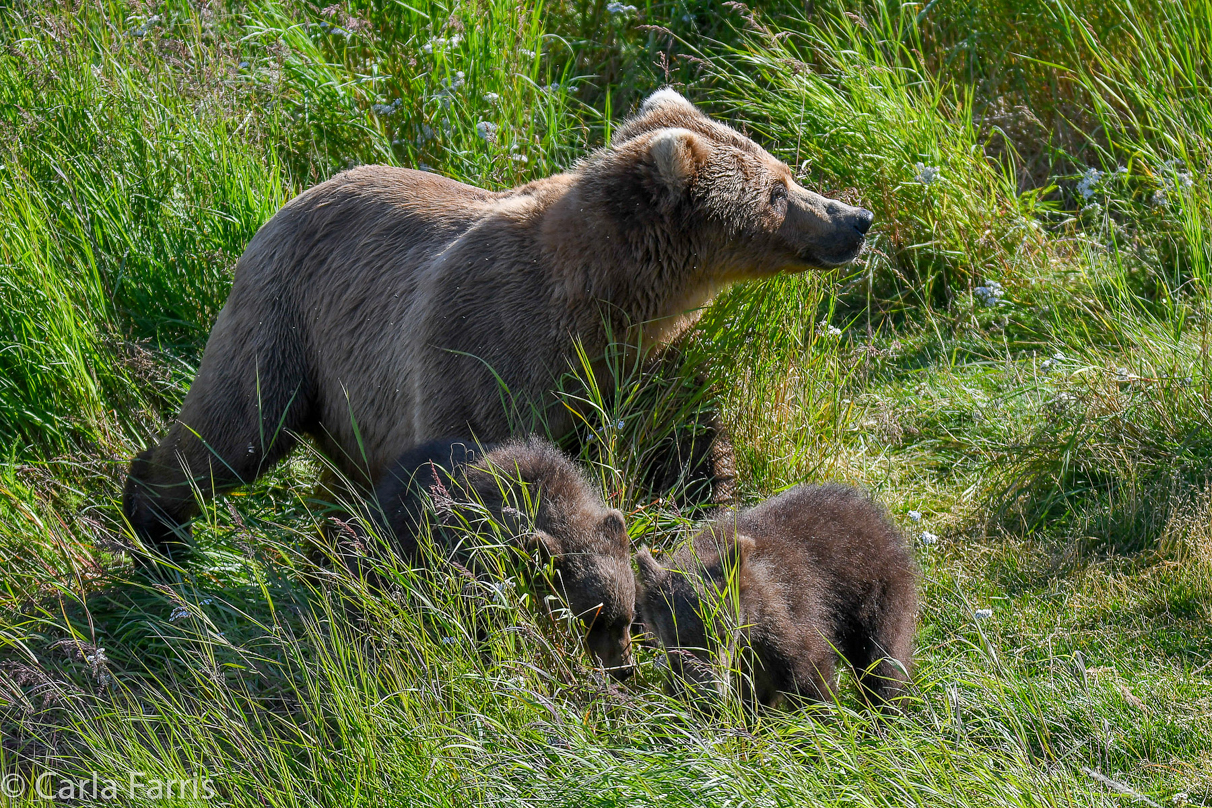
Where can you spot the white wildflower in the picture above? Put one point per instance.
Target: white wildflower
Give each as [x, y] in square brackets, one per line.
[491, 98]
[179, 613]
[830, 330]
[915, 516]
[145, 27]
[617, 8]
[440, 43]
[384, 110]
[529, 54]
[1090, 179]
[990, 294]
[928, 538]
[983, 614]
[927, 175]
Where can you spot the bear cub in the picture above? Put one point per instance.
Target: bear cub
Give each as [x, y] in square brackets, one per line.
[792, 583]
[449, 489]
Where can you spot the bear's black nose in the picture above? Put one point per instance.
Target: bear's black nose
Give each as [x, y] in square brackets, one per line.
[862, 221]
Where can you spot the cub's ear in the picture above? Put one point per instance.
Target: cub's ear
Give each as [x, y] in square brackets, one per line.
[651, 574]
[547, 545]
[676, 156]
[614, 526]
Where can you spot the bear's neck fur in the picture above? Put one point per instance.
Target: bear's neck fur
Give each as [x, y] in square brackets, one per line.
[673, 268]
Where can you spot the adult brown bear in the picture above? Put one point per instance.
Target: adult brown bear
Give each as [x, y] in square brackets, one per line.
[386, 307]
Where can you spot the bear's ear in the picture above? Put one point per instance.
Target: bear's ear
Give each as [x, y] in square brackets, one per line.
[665, 97]
[614, 526]
[651, 574]
[676, 156]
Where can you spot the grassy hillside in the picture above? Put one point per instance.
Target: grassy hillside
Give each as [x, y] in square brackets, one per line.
[1018, 367]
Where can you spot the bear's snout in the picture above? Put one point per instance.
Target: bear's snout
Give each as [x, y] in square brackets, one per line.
[824, 232]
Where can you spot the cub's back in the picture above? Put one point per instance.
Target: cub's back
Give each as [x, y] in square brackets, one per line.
[833, 530]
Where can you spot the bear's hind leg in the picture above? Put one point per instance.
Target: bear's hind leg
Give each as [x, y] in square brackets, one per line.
[881, 652]
[223, 439]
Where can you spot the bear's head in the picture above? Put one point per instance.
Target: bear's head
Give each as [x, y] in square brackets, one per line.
[540, 496]
[693, 607]
[590, 555]
[751, 218]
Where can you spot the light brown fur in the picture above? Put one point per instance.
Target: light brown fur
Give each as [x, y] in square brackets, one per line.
[374, 309]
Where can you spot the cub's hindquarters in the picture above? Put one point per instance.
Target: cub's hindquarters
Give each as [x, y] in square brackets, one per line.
[838, 541]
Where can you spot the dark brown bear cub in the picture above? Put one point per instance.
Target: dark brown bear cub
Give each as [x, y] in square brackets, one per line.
[538, 500]
[815, 572]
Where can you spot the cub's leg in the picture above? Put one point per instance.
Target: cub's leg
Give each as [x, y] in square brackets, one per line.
[881, 650]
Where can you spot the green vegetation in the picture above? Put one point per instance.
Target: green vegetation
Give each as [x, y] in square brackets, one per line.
[1019, 367]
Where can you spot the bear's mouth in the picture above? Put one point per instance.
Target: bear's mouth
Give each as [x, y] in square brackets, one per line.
[835, 255]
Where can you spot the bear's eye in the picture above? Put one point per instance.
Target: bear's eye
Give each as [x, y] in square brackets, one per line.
[778, 194]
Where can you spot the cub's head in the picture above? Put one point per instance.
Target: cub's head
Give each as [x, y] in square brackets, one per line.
[590, 555]
[691, 607]
[705, 177]
[543, 498]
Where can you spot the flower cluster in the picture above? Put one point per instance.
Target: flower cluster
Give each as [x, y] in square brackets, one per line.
[335, 30]
[1174, 175]
[449, 87]
[1089, 181]
[441, 43]
[928, 175]
[487, 131]
[616, 9]
[1049, 364]
[143, 29]
[384, 110]
[990, 294]
[830, 330]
